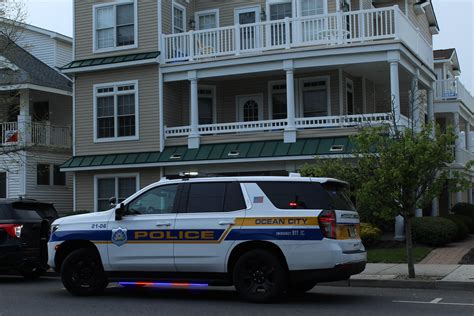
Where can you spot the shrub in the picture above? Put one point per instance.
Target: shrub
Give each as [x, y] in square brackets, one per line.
[468, 221]
[433, 231]
[369, 233]
[465, 209]
[463, 229]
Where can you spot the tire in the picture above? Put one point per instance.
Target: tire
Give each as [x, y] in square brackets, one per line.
[260, 276]
[82, 273]
[32, 272]
[301, 288]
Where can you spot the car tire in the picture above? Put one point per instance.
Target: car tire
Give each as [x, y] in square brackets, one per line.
[301, 288]
[32, 272]
[82, 273]
[260, 276]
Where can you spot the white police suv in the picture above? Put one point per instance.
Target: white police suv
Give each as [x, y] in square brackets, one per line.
[265, 235]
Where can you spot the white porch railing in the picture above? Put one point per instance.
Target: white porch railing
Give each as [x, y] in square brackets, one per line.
[41, 134]
[463, 156]
[453, 89]
[329, 29]
[279, 125]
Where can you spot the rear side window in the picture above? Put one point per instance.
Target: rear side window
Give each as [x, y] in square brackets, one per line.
[305, 195]
[214, 197]
[24, 210]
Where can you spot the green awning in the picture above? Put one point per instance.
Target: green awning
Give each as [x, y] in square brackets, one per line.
[110, 60]
[249, 151]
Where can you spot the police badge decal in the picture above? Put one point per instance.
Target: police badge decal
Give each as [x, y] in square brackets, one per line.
[119, 236]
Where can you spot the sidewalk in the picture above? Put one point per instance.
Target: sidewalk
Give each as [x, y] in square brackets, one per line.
[429, 276]
[451, 254]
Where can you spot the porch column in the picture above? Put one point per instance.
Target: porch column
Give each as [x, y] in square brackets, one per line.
[415, 103]
[193, 138]
[24, 119]
[395, 91]
[468, 137]
[457, 132]
[435, 207]
[290, 130]
[430, 107]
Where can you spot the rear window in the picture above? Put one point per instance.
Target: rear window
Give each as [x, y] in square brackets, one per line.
[307, 195]
[25, 210]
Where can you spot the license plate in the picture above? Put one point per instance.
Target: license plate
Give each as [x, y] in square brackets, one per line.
[352, 232]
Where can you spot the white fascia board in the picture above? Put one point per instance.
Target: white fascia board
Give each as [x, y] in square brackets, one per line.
[111, 66]
[36, 87]
[203, 162]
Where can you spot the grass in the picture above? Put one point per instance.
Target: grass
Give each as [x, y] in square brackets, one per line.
[395, 255]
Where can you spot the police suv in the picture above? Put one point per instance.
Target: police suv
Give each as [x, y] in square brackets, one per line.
[265, 235]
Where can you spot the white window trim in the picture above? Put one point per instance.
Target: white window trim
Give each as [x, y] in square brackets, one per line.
[300, 109]
[247, 9]
[214, 100]
[350, 81]
[239, 115]
[96, 50]
[137, 111]
[206, 12]
[270, 95]
[116, 177]
[300, 13]
[183, 9]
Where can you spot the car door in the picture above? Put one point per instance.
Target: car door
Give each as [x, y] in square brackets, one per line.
[208, 215]
[140, 240]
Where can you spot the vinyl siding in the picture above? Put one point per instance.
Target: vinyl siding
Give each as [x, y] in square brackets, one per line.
[60, 196]
[167, 14]
[12, 165]
[85, 184]
[63, 53]
[148, 111]
[147, 29]
[39, 45]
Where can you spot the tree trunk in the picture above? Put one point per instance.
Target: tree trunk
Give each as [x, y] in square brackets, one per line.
[409, 248]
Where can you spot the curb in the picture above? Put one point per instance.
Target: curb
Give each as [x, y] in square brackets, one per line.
[406, 284]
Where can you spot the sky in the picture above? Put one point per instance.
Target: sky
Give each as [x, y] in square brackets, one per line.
[455, 18]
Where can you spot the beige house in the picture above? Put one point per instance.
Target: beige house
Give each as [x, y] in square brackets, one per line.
[248, 87]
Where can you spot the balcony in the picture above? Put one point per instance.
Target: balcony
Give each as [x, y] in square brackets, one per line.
[339, 28]
[453, 90]
[36, 134]
[303, 123]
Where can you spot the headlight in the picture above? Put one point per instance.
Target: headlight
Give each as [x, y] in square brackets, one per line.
[54, 228]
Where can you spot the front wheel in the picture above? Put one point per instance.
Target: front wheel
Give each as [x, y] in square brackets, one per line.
[82, 273]
[260, 276]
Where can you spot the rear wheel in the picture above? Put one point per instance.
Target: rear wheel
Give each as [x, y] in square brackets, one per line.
[82, 273]
[260, 276]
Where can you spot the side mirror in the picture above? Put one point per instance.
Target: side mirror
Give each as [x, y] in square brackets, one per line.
[119, 212]
[113, 201]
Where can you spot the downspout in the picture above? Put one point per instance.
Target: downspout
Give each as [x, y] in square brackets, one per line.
[160, 76]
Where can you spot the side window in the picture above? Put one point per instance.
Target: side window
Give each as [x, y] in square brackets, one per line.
[215, 197]
[159, 200]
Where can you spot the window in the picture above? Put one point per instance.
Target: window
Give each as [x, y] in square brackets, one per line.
[158, 200]
[350, 97]
[206, 101]
[118, 187]
[207, 19]
[43, 174]
[314, 97]
[59, 177]
[307, 195]
[279, 11]
[179, 18]
[278, 101]
[116, 111]
[312, 7]
[215, 197]
[115, 25]
[250, 110]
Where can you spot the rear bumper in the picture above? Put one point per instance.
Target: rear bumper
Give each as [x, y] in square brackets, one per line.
[13, 257]
[338, 273]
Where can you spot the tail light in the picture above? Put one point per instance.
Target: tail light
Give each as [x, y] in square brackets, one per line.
[327, 223]
[14, 230]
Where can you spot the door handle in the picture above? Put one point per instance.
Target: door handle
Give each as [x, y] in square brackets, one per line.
[226, 223]
[163, 224]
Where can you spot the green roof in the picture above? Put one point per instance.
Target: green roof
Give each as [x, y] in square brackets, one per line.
[109, 60]
[234, 151]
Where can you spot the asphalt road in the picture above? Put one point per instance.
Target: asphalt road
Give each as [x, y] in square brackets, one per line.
[48, 297]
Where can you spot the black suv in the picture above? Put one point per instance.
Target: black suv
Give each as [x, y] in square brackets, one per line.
[24, 233]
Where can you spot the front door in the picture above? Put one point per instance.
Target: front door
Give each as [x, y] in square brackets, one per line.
[249, 34]
[250, 108]
[143, 239]
[211, 212]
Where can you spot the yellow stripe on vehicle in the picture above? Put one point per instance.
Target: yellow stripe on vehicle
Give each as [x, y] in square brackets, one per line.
[278, 221]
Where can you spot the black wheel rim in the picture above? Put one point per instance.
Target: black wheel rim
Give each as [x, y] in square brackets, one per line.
[85, 273]
[258, 278]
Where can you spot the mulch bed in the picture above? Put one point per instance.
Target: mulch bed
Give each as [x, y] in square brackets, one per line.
[468, 258]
